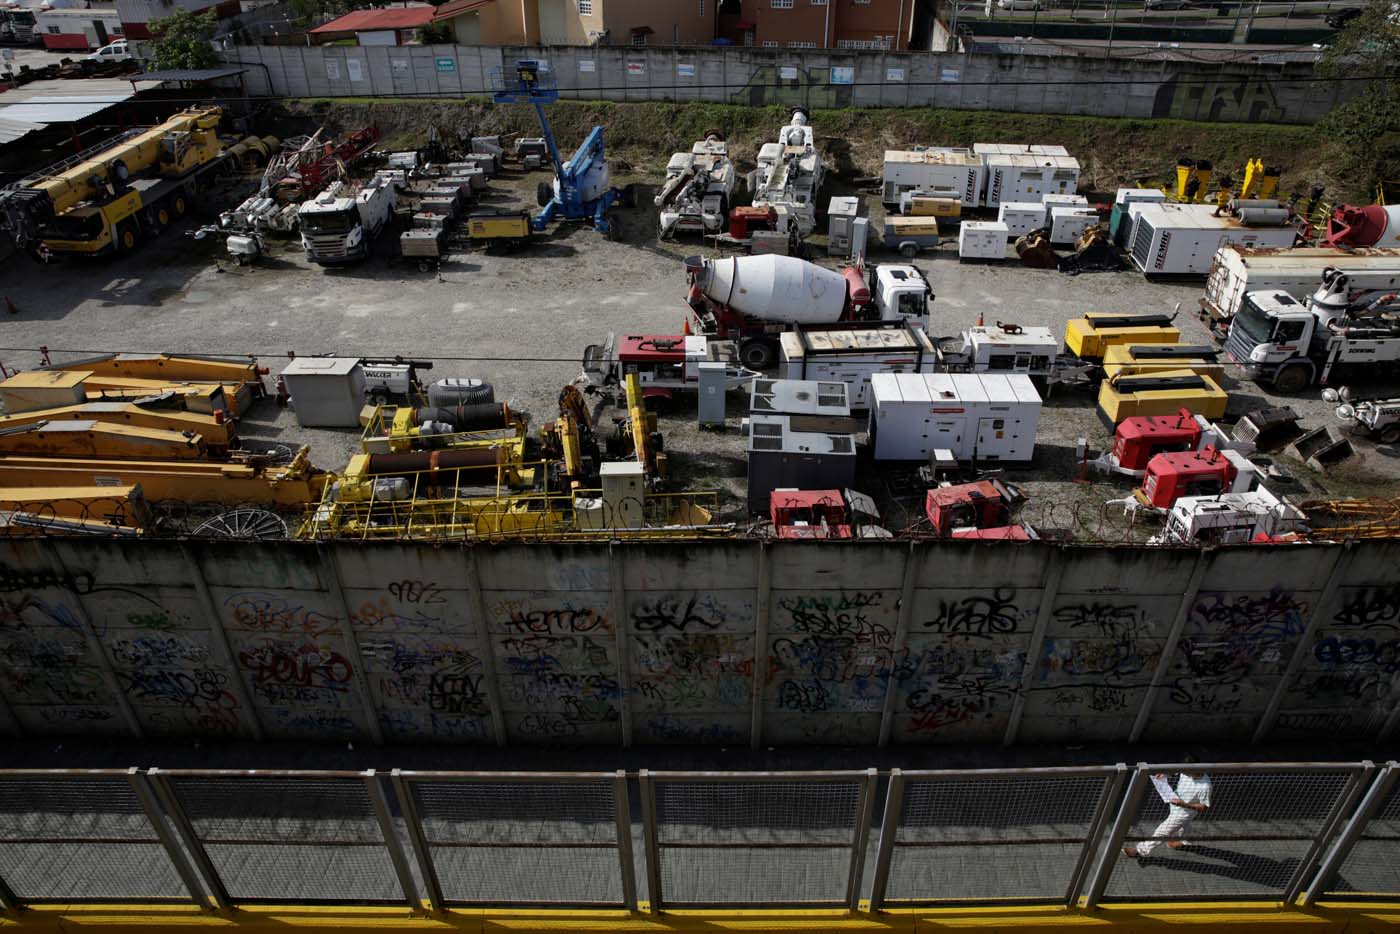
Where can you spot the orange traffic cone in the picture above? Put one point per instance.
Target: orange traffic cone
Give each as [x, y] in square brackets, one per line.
[685, 329]
[979, 319]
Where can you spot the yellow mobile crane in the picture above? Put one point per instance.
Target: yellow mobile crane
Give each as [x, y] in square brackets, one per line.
[107, 197]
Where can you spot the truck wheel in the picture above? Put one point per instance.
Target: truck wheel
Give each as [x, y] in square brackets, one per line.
[757, 354]
[544, 193]
[128, 236]
[1293, 378]
[1388, 435]
[179, 206]
[162, 217]
[908, 250]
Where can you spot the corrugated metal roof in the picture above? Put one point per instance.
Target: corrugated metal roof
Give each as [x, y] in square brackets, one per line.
[393, 18]
[62, 109]
[12, 129]
[189, 74]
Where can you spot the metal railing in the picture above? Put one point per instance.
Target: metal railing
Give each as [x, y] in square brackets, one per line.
[1289, 834]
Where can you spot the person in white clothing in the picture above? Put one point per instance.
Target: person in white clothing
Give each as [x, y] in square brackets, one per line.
[1192, 799]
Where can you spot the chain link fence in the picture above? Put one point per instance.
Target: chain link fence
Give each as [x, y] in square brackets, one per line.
[1282, 833]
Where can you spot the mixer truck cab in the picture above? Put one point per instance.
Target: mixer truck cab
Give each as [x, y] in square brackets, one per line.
[901, 293]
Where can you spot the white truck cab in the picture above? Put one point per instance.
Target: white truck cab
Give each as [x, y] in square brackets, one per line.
[901, 293]
[338, 225]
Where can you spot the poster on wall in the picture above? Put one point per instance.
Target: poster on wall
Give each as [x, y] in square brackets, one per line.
[445, 63]
[399, 66]
[841, 75]
[685, 71]
[355, 68]
[950, 74]
[894, 74]
[636, 69]
[787, 73]
[586, 64]
[332, 69]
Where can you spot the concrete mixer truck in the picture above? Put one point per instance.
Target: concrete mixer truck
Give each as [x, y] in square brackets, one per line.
[752, 300]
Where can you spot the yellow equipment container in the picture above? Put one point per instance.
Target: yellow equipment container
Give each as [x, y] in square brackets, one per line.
[1089, 336]
[296, 486]
[87, 438]
[107, 510]
[1136, 359]
[912, 226]
[218, 433]
[1164, 393]
[42, 389]
[935, 207]
[499, 228]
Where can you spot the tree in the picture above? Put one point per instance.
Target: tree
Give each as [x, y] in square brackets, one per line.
[182, 41]
[1365, 129]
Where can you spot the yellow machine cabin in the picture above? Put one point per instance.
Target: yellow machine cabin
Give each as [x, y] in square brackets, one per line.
[109, 197]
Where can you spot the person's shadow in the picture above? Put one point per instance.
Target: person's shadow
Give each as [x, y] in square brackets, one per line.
[1246, 867]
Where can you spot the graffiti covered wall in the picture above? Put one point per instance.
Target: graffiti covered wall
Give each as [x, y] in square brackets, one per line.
[726, 643]
[1025, 82]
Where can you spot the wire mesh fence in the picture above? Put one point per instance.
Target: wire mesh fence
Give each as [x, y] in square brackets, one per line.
[284, 836]
[771, 838]
[1225, 831]
[521, 839]
[981, 836]
[82, 835]
[764, 839]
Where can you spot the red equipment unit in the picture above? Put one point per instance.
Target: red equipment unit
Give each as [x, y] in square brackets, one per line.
[1185, 473]
[744, 221]
[809, 514]
[1138, 439]
[1006, 533]
[981, 506]
[1366, 225]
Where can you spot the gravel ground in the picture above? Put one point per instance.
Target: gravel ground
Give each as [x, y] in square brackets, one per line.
[521, 321]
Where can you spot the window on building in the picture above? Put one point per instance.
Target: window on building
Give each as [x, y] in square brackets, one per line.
[802, 45]
[770, 43]
[585, 7]
[862, 2]
[818, 2]
[702, 8]
[639, 38]
[782, 4]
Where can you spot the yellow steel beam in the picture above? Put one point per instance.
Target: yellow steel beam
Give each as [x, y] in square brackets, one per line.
[1352, 918]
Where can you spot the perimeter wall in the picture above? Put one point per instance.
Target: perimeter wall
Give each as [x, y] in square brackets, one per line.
[714, 642]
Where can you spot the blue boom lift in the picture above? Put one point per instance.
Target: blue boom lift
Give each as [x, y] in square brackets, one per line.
[581, 189]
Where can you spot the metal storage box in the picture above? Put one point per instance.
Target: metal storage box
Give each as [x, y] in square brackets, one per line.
[982, 240]
[841, 214]
[1063, 201]
[421, 243]
[928, 169]
[425, 221]
[327, 392]
[1027, 177]
[1182, 239]
[784, 455]
[1067, 224]
[977, 416]
[1021, 217]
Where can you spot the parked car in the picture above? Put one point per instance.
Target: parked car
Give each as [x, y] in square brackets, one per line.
[111, 52]
[1338, 19]
[1167, 5]
[1021, 4]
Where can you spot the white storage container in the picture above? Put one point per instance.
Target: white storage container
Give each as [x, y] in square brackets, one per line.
[1063, 201]
[852, 355]
[931, 169]
[1182, 239]
[327, 392]
[1021, 217]
[1027, 178]
[978, 416]
[841, 214]
[982, 240]
[1066, 224]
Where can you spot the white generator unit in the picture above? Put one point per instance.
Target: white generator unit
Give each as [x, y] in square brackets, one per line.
[793, 452]
[1068, 224]
[931, 169]
[1120, 222]
[1030, 178]
[327, 392]
[1021, 217]
[1017, 149]
[841, 214]
[978, 416]
[853, 356]
[982, 240]
[1182, 239]
[1064, 201]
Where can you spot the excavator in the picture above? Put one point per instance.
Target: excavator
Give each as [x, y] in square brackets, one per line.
[108, 197]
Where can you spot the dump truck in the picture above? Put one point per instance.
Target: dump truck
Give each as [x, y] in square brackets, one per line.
[753, 299]
[1290, 344]
[339, 224]
[1237, 270]
[109, 197]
